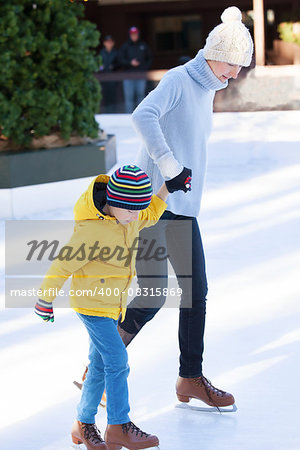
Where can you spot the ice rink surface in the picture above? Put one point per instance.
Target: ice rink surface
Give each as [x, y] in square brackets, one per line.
[250, 223]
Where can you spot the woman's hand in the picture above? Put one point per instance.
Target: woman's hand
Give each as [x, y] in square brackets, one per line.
[183, 181]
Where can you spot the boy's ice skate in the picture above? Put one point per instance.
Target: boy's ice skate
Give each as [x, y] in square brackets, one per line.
[89, 435]
[128, 436]
[201, 388]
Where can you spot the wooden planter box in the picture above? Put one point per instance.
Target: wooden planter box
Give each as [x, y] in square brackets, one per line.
[24, 168]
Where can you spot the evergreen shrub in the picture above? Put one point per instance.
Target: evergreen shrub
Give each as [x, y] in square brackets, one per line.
[48, 60]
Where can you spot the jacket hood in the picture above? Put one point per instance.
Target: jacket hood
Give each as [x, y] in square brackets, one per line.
[200, 71]
[90, 203]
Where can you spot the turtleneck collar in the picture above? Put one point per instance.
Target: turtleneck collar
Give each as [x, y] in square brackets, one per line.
[200, 71]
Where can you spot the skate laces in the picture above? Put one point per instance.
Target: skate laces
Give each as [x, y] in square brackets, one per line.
[90, 431]
[132, 428]
[209, 387]
[202, 381]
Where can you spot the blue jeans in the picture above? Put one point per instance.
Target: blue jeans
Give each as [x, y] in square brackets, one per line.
[193, 300]
[108, 369]
[134, 93]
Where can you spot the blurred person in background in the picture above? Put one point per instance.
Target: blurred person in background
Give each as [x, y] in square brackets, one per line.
[109, 63]
[134, 56]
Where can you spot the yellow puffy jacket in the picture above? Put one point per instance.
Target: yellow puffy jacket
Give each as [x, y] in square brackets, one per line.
[104, 264]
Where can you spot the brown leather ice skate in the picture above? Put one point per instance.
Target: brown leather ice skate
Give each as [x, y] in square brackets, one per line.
[202, 389]
[89, 435]
[129, 436]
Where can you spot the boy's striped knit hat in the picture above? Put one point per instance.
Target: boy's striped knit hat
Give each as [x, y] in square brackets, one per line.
[129, 188]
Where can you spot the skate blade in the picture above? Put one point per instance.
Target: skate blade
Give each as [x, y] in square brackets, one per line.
[123, 448]
[79, 385]
[231, 408]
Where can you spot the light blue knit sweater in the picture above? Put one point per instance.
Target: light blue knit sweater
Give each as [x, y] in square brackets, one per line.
[174, 122]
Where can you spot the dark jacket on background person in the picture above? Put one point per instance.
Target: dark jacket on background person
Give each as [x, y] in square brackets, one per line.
[109, 60]
[135, 50]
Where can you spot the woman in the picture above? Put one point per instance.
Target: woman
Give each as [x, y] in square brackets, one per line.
[174, 122]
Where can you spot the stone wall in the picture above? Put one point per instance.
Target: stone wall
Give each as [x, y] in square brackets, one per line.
[264, 88]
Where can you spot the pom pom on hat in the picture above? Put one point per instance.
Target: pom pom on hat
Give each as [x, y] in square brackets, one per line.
[230, 41]
[231, 14]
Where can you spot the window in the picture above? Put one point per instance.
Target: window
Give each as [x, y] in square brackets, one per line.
[177, 33]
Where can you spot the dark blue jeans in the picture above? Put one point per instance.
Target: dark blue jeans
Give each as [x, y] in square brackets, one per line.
[134, 93]
[183, 252]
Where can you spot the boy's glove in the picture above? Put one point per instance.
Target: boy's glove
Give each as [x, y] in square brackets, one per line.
[44, 310]
[180, 183]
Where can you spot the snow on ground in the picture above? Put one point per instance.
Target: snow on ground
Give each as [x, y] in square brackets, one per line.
[250, 221]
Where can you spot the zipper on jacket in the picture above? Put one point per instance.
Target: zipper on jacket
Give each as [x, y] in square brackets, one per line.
[130, 276]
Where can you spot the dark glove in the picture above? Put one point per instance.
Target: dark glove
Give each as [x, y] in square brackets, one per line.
[180, 183]
[44, 310]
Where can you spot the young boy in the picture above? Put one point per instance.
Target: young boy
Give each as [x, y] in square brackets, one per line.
[108, 218]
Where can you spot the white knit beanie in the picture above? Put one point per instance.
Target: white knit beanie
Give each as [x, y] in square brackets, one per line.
[230, 41]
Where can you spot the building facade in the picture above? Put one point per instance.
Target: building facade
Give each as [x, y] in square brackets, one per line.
[179, 27]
